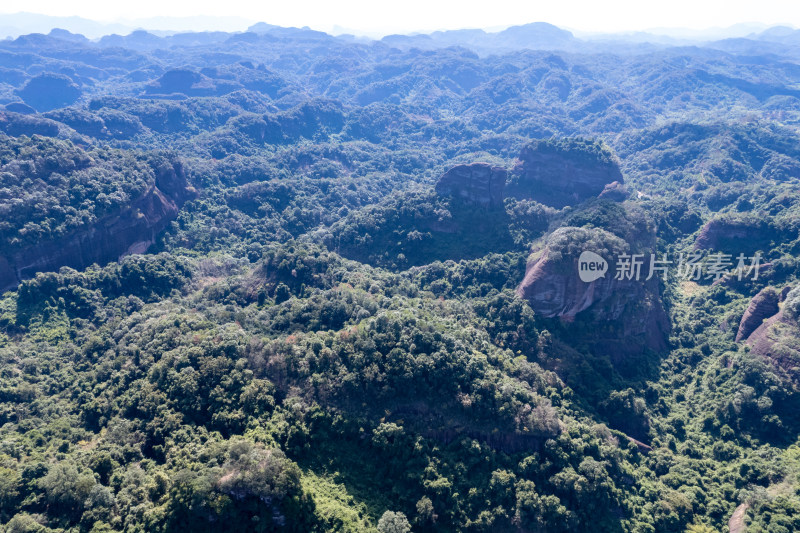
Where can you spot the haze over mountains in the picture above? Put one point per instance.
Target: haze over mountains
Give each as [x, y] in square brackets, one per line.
[535, 35]
[16, 24]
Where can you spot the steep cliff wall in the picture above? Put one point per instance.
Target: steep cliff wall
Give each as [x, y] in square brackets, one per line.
[737, 235]
[478, 184]
[763, 306]
[563, 172]
[778, 337]
[619, 317]
[130, 230]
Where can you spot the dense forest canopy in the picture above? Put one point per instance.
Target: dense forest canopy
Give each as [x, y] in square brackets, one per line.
[279, 280]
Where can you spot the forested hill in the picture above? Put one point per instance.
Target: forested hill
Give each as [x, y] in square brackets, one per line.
[280, 280]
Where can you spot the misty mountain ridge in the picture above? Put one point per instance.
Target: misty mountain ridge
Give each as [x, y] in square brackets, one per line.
[534, 35]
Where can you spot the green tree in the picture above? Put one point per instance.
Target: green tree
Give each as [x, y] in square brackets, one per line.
[393, 522]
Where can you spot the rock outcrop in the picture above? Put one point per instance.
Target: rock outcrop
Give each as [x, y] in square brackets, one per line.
[624, 316]
[563, 172]
[615, 191]
[478, 184]
[130, 231]
[777, 339]
[763, 306]
[785, 292]
[734, 236]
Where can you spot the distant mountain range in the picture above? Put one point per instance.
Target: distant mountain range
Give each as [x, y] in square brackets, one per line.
[16, 24]
[536, 35]
[162, 32]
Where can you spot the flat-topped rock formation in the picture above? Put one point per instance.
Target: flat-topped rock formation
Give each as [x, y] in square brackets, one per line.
[479, 184]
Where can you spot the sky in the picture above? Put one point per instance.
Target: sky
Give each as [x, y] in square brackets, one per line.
[380, 17]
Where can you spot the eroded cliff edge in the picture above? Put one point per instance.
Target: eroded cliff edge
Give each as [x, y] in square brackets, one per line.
[132, 229]
[614, 314]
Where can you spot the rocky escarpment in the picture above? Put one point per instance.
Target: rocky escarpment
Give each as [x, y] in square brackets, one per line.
[736, 235]
[763, 306]
[129, 231]
[563, 172]
[778, 337]
[619, 317]
[615, 191]
[778, 340]
[478, 184]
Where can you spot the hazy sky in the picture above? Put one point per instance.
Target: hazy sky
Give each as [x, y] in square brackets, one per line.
[416, 15]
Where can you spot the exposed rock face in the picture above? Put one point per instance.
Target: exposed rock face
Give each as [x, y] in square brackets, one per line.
[626, 315]
[778, 337]
[129, 231]
[478, 184]
[734, 235]
[564, 172]
[615, 191]
[553, 293]
[785, 292]
[778, 340]
[763, 306]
